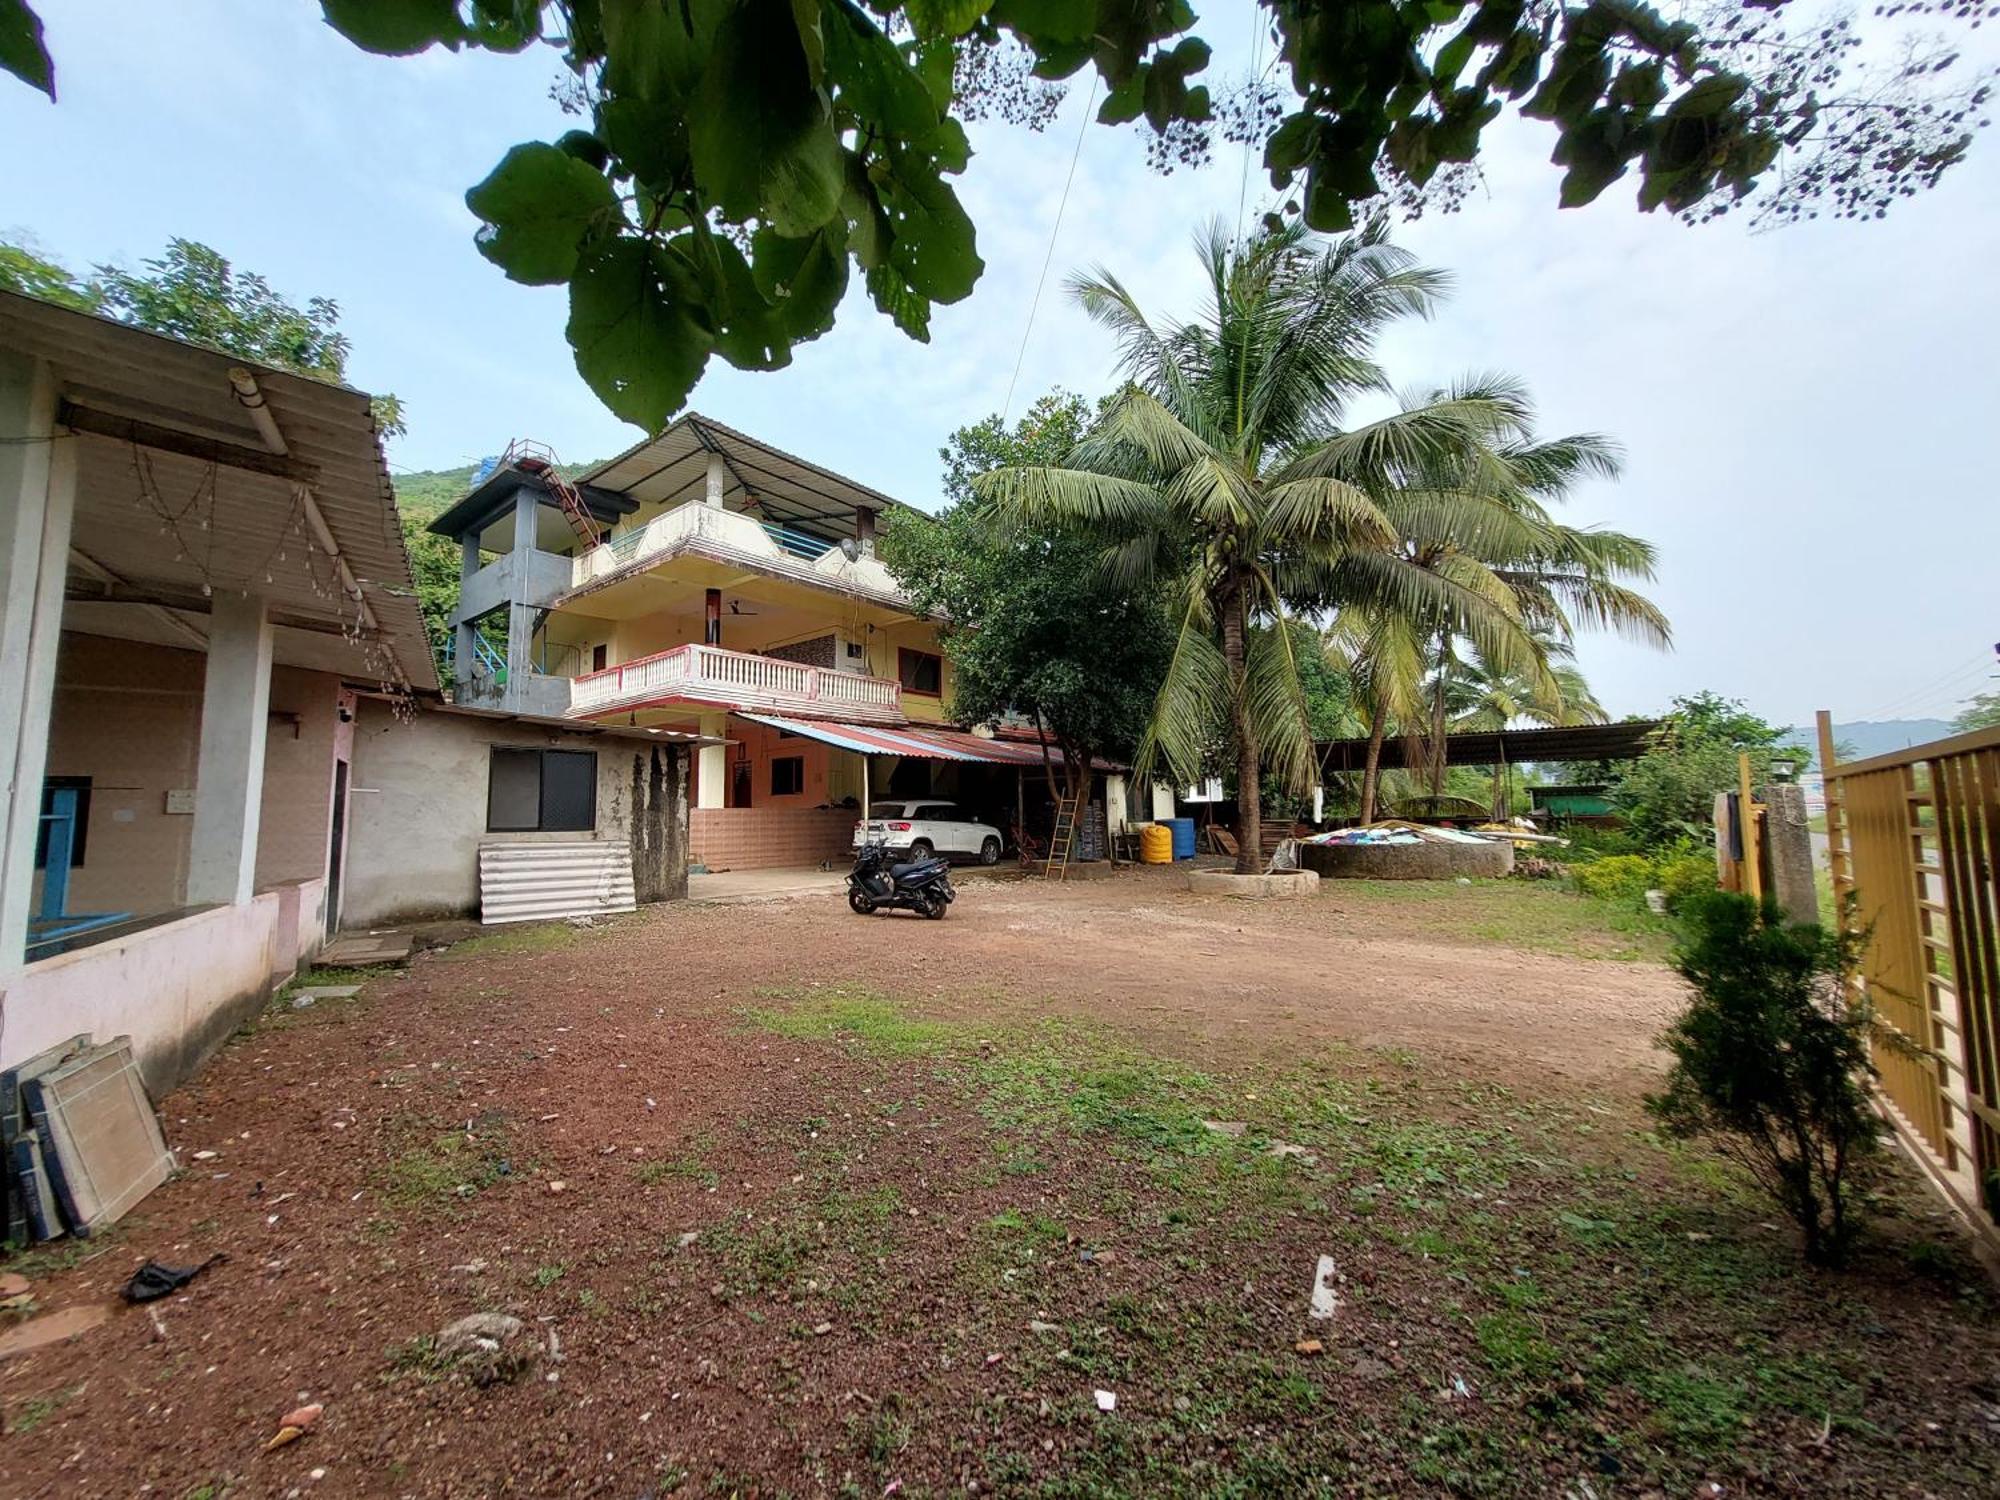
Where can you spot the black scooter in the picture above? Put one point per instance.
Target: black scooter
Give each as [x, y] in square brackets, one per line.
[876, 883]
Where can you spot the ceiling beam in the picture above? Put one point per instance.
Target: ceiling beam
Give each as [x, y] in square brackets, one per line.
[186, 444]
[168, 596]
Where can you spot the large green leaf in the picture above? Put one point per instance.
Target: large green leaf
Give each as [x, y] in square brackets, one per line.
[538, 205]
[762, 140]
[650, 52]
[944, 18]
[632, 325]
[748, 331]
[934, 246]
[393, 28]
[874, 78]
[893, 296]
[21, 49]
[803, 280]
[648, 137]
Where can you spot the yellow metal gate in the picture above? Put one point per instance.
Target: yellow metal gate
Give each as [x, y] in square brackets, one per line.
[1915, 837]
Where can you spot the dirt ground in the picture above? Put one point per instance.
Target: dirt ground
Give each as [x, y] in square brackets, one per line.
[795, 1202]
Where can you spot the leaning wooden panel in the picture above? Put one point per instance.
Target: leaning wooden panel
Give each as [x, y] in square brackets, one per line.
[101, 1140]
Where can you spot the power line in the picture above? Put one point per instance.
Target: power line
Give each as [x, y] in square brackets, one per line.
[1954, 681]
[1008, 405]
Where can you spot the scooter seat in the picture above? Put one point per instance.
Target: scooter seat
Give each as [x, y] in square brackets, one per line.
[914, 867]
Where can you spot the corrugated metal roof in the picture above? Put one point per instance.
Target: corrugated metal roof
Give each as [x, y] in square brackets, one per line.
[1626, 740]
[788, 489]
[250, 542]
[540, 882]
[924, 744]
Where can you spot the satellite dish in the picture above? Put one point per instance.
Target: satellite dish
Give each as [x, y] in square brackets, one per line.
[850, 549]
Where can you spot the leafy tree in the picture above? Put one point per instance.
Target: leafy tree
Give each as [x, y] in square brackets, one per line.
[23, 269]
[737, 160]
[1032, 627]
[1771, 1060]
[1481, 696]
[1982, 711]
[1223, 476]
[1668, 794]
[192, 292]
[1476, 515]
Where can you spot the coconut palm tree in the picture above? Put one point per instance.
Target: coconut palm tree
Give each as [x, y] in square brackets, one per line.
[1479, 512]
[1224, 471]
[1483, 697]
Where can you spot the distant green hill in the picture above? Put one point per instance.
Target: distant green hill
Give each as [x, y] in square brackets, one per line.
[421, 497]
[424, 494]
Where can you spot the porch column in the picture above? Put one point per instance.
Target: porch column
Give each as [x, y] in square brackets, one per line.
[714, 482]
[37, 500]
[229, 770]
[712, 770]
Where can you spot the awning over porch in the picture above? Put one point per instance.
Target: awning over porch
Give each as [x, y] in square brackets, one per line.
[924, 744]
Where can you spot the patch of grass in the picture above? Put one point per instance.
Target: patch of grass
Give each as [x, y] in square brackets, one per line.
[534, 937]
[36, 1410]
[1538, 916]
[873, 1022]
[688, 1166]
[446, 1167]
[57, 1256]
[417, 1358]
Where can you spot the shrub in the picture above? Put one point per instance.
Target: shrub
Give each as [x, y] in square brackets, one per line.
[1617, 877]
[1771, 1061]
[1685, 877]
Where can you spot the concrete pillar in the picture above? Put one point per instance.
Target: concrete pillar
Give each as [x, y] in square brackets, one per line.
[711, 787]
[864, 531]
[520, 647]
[464, 637]
[1788, 854]
[37, 500]
[716, 481]
[527, 512]
[229, 769]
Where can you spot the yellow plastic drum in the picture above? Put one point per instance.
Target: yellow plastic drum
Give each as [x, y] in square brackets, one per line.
[1156, 844]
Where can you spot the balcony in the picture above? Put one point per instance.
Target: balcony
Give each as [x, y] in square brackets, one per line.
[711, 677]
[728, 536]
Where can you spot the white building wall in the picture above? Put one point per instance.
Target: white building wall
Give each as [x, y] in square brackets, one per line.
[418, 809]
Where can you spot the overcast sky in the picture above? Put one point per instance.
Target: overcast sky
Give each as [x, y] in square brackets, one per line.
[1806, 412]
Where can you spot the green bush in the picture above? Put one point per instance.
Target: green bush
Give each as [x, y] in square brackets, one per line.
[1685, 877]
[1588, 843]
[1616, 877]
[1771, 1061]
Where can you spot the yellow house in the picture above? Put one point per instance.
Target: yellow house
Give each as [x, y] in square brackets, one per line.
[706, 580]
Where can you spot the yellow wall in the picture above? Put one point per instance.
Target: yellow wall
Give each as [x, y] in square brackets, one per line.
[648, 635]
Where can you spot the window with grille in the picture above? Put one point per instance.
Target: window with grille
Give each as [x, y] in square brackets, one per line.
[541, 791]
[921, 672]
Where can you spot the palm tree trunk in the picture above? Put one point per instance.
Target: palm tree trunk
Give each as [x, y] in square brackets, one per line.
[1438, 754]
[1500, 808]
[1371, 775]
[1249, 793]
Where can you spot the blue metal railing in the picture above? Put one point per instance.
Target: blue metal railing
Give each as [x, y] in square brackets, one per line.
[483, 650]
[797, 543]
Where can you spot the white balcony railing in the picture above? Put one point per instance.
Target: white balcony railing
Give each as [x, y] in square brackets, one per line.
[731, 536]
[737, 679]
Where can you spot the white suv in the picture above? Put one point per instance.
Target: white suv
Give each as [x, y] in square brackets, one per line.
[926, 828]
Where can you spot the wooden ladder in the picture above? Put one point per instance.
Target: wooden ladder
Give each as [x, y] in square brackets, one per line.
[1062, 840]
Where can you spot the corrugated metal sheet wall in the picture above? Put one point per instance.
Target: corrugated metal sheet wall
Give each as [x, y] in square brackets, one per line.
[541, 881]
